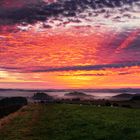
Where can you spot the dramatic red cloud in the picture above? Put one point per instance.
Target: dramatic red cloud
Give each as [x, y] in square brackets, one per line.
[48, 49]
[23, 52]
[126, 43]
[69, 44]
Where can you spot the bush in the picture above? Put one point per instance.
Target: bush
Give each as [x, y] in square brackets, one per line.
[127, 106]
[115, 104]
[107, 103]
[10, 105]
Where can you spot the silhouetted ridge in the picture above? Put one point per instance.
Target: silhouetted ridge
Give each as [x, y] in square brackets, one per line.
[75, 93]
[136, 97]
[42, 96]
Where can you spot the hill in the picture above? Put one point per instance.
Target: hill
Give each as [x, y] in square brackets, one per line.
[10, 105]
[41, 96]
[80, 95]
[123, 96]
[73, 122]
[76, 93]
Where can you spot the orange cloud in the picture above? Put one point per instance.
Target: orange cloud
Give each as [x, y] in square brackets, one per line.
[69, 59]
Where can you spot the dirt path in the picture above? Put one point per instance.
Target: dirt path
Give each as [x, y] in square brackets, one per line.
[7, 119]
[19, 125]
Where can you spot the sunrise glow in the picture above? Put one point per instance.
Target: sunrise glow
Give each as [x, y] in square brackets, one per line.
[67, 53]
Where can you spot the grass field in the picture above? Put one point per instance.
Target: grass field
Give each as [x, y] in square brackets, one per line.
[73, 122]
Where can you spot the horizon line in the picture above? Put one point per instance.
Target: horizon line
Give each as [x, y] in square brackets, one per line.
[70, 88]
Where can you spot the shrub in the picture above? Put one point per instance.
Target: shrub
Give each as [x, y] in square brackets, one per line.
[107, 103]
[10, 105]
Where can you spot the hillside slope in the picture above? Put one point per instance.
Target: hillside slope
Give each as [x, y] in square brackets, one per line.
[73, 122]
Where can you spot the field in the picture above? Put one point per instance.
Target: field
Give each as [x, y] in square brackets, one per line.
[72, 122]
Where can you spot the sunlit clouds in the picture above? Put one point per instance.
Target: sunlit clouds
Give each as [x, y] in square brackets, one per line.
[86, 47]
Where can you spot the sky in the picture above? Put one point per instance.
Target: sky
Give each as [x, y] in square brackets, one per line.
[69, 44]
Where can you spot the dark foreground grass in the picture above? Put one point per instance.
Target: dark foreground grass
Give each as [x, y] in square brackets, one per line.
[74, 122]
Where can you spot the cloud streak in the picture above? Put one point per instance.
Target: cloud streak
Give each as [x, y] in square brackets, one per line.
[71, 68]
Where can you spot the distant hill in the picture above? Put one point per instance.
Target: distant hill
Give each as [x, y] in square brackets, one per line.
[42, 96]
[75, 93]
[80, 95]
[123, 96]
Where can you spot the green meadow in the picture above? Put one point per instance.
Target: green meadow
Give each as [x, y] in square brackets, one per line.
[73, 122]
